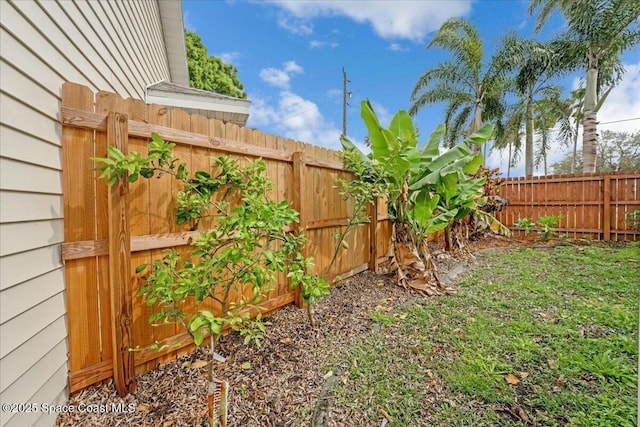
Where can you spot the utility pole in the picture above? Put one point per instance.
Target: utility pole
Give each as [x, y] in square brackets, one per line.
[344, 101]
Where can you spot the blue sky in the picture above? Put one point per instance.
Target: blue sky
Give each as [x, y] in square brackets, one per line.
[290, 56]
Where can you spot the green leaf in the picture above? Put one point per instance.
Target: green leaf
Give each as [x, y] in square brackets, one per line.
[198, 337]
[432, 147]
[481, 136]
[196, 323]
[379, 144]
[402, 127]
[141, 267]
[133, 177]
[474, 164]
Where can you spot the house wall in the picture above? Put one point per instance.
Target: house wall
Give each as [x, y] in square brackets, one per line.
[103, 45]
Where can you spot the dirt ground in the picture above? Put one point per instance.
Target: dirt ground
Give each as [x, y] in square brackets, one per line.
[276, 385]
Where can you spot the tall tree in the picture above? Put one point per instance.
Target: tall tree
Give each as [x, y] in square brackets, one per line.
[536, 98]
[576, 103]
[210, 72]
[597, 33]
[470, 87]
[552, 122]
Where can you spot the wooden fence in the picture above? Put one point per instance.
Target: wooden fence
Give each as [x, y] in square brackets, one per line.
[111, 230]
[592, 205]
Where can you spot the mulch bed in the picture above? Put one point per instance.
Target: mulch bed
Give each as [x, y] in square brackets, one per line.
[276, 385]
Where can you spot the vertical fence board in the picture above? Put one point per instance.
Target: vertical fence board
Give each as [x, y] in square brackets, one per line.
[139, 204]
[105, 102]
[79, 224]
[160, 214]
[299, 191]
[119, 265]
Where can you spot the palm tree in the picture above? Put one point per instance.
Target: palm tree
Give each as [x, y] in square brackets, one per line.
[597, 33]
[576, 102]
[533, 65]
[470, 89]
[552, 118]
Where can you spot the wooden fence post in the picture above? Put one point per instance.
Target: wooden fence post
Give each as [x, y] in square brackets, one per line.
[299, 191]
[373, 236]
[120, 264]
[606, 214]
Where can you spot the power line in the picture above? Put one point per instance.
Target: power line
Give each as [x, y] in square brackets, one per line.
[618, 121]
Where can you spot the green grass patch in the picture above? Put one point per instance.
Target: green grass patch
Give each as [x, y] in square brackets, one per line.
[549, 336]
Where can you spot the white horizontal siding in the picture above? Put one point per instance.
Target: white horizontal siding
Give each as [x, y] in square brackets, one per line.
[19, 268]
[107, 46]
[18, 115]
[34, 235]
[28, 387]
[21, 359]
[19, 176]
[24, 326]
[19, 299]
[17, 145]
[19, 206]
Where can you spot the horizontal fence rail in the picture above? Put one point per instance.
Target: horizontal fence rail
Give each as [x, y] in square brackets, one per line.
[592, 206]
[110, 231]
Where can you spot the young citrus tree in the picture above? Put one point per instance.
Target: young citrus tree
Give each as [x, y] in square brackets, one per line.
[232, 266]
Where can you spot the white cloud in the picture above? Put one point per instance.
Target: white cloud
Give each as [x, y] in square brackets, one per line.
[397, 47]
[408, 19]
[295, 25]
[295, 117]
[293, 68]
[317, 44]
[275, 77]
[292, 116]
[229, 57]
[280, 77]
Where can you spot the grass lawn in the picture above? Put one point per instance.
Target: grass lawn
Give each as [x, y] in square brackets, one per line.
[534, 336]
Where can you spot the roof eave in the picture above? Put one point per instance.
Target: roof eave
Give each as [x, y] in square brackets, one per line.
[227, 109]
[173, 33]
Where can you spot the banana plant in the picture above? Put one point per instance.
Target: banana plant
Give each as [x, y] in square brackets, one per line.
[423, 187]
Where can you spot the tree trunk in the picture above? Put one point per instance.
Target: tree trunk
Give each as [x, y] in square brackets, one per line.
[456, 236]
[528, 149]
[476, 124]
[509, 162]
[575, 146]
[590, 125]
[413, 263]
[589, 142]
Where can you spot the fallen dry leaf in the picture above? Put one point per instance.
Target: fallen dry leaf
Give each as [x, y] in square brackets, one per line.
[386, 415]
[523, 415]
[198, 364]
[512, 379]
